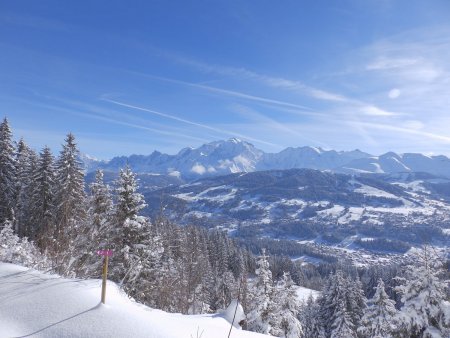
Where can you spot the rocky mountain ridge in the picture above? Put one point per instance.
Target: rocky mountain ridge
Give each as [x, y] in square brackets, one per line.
[234, 156]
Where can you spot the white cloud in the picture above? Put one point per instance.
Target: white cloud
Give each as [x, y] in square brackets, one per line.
[375, 111]
[414, 124]
[394, 93]
[275, 82]
[403, 129]
[385, 63]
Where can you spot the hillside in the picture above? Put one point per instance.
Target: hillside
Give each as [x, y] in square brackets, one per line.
[33, 304]
[282, 196]
[346, 216]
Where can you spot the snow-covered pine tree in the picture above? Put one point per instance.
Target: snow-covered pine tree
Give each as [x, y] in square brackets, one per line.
[356, 300]
[286, 307]
[225, 286]
[337, 306]
[194, 263]
[237, 263]
[101, 211]
[71, 204]
[378, 320]
[137, 247]
[126, 230]
[143, 261]
[258, 319]
[99, 232]
[26, 162]
[129, 201]
[342, 325]
[311, 320]
[43, 200]
[426, 308]
[7, 173]
[168, 293]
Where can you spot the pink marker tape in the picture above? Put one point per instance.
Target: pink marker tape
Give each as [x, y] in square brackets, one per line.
[104, 252]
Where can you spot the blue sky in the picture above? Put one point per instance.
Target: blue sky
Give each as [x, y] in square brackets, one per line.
[134, 76]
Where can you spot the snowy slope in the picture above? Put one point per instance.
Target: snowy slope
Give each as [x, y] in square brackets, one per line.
[33, 304]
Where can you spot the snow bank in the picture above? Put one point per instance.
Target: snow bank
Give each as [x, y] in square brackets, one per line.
[304, 293]
[33, 304]
[234, 313]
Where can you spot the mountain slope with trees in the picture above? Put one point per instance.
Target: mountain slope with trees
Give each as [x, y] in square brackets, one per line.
[195, 270]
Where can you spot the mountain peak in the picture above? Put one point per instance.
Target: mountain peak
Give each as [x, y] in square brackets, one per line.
[235, 140]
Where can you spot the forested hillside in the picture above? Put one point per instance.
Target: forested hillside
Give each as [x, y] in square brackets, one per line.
[51, 221]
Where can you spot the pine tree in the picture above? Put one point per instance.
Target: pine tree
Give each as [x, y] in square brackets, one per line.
[378, 320]
[129, 201]
[142, 261]
[43, 200]
[26, 162]
[71, 204]
[7, 173]
[356, 300]
[342, 325]
[99, 234]
[137, 247]
[426, 310]
[339, 304]
[311, 320]
[261, 308]
[287, 307]
[101, 211]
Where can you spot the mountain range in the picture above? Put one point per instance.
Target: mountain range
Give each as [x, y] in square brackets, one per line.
[234, 156]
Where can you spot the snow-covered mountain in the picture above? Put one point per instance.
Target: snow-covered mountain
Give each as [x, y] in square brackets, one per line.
[212, 159]
[234, 156]
[90, 163]
[396, 163]
[308, 157]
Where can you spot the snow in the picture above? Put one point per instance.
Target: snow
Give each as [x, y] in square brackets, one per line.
[305, 259]
[371, 191]
[198, 169]
[335, 211]
[353, 214]
[234, 313]
[293, 202]
[205, 194]
[34, 304]
[304, 293]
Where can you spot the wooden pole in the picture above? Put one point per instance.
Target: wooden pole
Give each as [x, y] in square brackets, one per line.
[105, 273]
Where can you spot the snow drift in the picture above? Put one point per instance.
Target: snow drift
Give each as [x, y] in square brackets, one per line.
[33, 304]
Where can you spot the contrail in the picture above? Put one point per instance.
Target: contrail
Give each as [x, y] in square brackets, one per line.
[179, 119]
[93, 115]
[229, 92]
